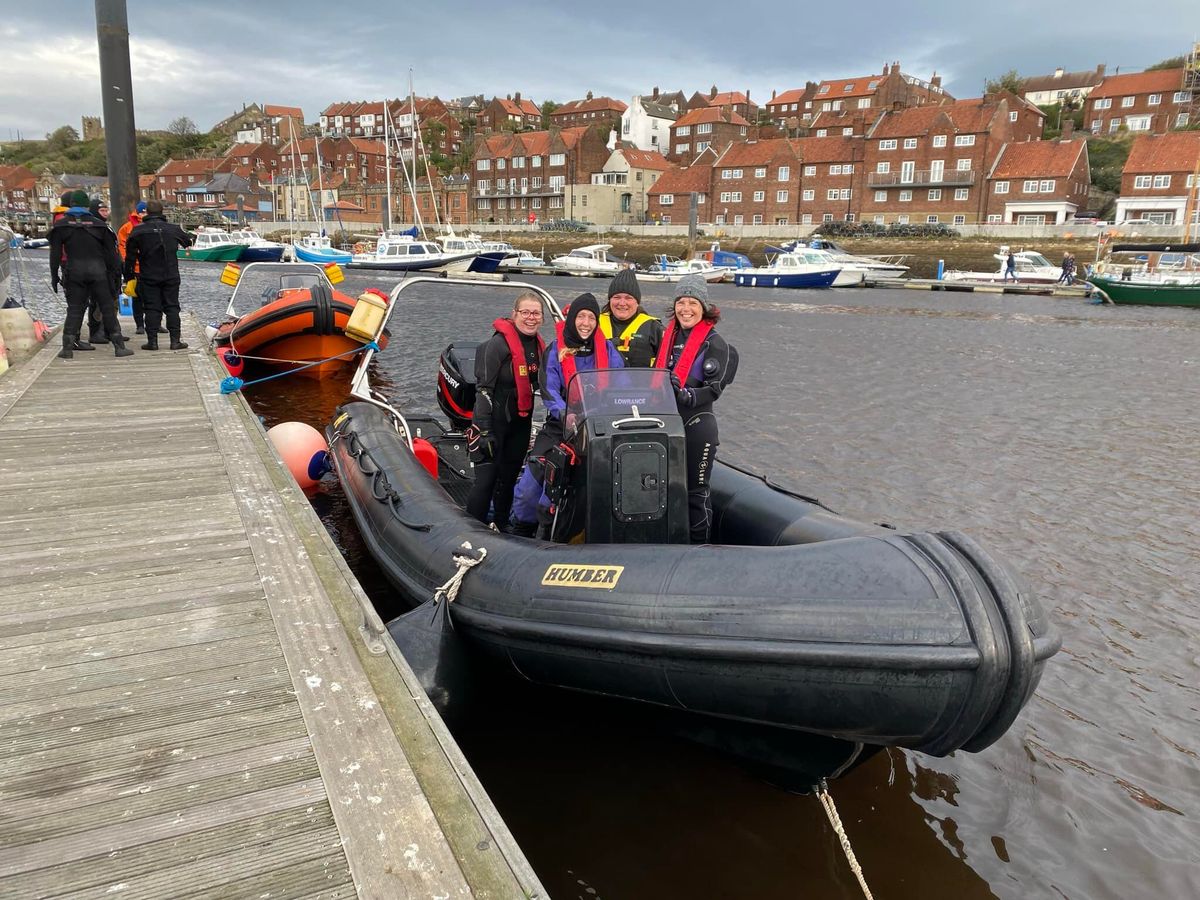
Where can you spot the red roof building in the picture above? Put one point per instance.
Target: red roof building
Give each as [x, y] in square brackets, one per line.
[1155, 102]
[670, 198]
[756, 183]
[1158, 177]
[704, 128]
[735, 101]
[589, 111]
[512, 113]
[1039, 182]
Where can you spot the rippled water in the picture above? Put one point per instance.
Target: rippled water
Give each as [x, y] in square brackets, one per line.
[1061, 435]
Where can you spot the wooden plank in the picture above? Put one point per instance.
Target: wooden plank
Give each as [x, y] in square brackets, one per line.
[16, 382]
[67, 597]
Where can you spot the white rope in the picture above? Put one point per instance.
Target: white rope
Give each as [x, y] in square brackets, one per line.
[836, 821]
[465, 563]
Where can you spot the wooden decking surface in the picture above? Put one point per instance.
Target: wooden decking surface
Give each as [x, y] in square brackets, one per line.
[187, 709]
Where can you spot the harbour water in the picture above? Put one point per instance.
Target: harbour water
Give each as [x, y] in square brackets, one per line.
[1060, 435]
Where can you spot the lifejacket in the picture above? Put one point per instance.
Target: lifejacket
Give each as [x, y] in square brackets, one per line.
[123, 235]
[599, 347]
[507, 330]
[632, 328]
[691, 349]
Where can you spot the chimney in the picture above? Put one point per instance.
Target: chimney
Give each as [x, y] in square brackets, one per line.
[1100, 70]
[747, 92]
[589, 95]
[655, 94]
[1068, 129]
[1058, 72]
[895, 67]
[772, 93]
[517, 97]
[508, 96]
[713, 93]
[935, 81]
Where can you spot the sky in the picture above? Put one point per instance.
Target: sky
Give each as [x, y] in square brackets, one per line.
[205, 60]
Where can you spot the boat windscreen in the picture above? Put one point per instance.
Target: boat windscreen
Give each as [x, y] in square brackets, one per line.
[614, 392]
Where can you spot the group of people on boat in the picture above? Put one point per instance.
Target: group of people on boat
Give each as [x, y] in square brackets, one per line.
[515, 364]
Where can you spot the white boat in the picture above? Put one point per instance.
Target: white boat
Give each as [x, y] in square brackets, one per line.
[485, 260]
[514, 257]
[880, 266]
[593, 259]
[797, 269]
[670, 269]
[258, 249]
[316, 248]
[1031, 268]
[401, 253]
[850, 272]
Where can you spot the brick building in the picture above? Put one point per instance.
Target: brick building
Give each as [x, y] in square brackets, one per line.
[927, 164]
[618, 193]
[756, 183]
[17, 192]
[794, 104]
[514, 175]
[705, 128]
[734, 101]
[1155, 102]
[441, 132]
[261, 158]
[1158, 176]
[670, 198]
[512, 113]
[175, 176]
[256, 123]
[589, 111]
[452, 196]
[1039, 182]
[831, 177]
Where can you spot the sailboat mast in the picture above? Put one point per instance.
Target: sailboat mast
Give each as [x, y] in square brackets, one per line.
[418, 138]
[387, 166]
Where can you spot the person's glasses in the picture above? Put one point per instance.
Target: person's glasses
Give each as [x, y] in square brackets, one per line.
[529, 314]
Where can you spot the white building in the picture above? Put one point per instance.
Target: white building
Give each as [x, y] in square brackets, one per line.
[1043, 90]
[647, 122]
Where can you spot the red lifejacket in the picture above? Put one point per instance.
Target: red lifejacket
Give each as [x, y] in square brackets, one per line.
[691, 349]
[506, 329]
[599, 347]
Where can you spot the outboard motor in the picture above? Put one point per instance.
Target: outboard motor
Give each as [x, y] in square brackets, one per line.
[456, 383]
[630, 452]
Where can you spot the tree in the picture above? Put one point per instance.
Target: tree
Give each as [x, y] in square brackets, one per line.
[182, 126]
[548, 109]
[1009, 81]
[1174, 62]
[61, 138]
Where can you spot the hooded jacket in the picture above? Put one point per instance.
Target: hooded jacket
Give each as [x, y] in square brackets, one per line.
[151, 250]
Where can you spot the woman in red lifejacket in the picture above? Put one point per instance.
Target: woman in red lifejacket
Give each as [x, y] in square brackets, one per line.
[579, 346]
[701, 365]
[506, 375]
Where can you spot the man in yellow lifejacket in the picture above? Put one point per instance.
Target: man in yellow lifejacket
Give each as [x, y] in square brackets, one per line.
[636, 334]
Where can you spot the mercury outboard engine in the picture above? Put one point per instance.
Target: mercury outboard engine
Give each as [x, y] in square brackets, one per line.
[630, 460]
[456, 383]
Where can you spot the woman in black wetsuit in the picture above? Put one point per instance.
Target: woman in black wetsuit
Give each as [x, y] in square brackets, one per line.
[506, 379]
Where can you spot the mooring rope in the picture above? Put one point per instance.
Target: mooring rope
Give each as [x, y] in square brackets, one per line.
[836, 821]
[465, 563]
[232, 383]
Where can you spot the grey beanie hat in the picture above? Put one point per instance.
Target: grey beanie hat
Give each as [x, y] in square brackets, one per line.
[625, 282]
[693, 286]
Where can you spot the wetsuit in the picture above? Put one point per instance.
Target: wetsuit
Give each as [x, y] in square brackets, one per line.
[636, 339]
[704, 381]
[152, 248]
[501, 428]
[92, 275]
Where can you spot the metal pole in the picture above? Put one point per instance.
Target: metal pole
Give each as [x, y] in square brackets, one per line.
[116, 91]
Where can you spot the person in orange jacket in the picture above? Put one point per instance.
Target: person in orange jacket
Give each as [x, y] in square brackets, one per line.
[135, 218]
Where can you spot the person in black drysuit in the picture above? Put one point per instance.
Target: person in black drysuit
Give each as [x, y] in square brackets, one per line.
[97, 333]
[697, 386]
[150, 252]
[92, 273]
[505, 384]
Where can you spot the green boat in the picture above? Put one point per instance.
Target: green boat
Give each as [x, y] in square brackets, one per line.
[1155, 275]
[212, 246]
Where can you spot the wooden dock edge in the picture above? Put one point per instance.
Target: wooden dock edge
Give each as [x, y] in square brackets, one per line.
[17, 380]
[491, 861]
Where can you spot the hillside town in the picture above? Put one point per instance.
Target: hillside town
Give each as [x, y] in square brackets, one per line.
[886, 148]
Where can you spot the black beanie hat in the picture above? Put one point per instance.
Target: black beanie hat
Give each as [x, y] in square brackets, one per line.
[571, 335]
[625, 282]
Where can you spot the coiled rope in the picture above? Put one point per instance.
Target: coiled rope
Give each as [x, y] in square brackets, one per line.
[231, 384]
[465, 563]
[836, 821]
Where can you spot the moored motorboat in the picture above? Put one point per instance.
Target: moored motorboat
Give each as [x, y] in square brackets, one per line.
[798, 269]
[794, 625]
[401, 253]
[212, 245]
[316, 248]
[883, 266]
[670, 269]
[1030, 268]
[301, 321]
[256, 248]
[485, 260]
[594, 259]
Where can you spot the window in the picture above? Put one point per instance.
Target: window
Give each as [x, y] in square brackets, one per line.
[720, 219]
[700, 199]
[500, 165]
[1114, 125]
[1162, 181]
[905, 196]
[556, 203]
[806, 219]
[535, 161]
[760, 172]
[483, 203]
[809, 171]
[757, 220]
[536, 203]
[883, 168]
[557, 182]
[849, 217]
[887, 145]
[558, 159]
[960, 220]
[1012, 116]
[1030, 187]
[731, 173]
[666, 220]
[583, 199]
[1181, 97]
[835, 170]
[1127, 102]
[932, 220]
[666, 200]
[910, 143]
[785, 172]
[879, 220]
[738, 220]
[737, 197]
[682, 148]
[935, 194]
[537, 181]
[831, 194]
[760, 196]
[961, 193]
[827, 217]
[901, 220]
[781, 196]
[701, 146]
[963, 165]
[881, 196]
[483, 165]
[1137, 123]
[1103, 103]
[781, 220]
[704, 128]
[864, 103]
[1181, 120]
[484, 185]
[1155, 99]
[939, 140]
[824, 89]
[1097, 124]
[807, 195]
[1047, 187]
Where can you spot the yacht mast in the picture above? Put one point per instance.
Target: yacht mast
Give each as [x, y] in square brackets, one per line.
[387, 164]
[418, 138]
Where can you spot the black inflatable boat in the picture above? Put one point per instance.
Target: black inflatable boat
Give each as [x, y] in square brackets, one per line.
[794, 624]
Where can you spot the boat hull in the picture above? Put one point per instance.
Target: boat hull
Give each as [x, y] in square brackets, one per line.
[811, 624]
[261, 254]
[291, 333]
[1148, 294]
[760, 278]
[228, 253]
[322, 257]
[451, 264]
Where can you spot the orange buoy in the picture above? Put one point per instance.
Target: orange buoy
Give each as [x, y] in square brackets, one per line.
[303, 450]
